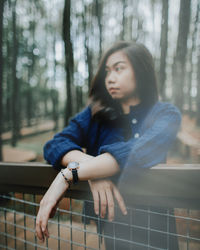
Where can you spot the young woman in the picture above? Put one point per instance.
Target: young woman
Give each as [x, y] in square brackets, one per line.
[123, 127]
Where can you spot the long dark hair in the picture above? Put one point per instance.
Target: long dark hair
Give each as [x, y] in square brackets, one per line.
[142, 62]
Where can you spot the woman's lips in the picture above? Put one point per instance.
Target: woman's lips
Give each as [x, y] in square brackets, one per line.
[113, 90]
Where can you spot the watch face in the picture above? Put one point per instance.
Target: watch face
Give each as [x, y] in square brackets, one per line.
[73, 165]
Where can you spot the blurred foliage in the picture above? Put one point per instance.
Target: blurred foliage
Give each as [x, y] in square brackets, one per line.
[35, 58]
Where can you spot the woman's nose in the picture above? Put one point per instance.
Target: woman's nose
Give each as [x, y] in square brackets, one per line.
[111, 77]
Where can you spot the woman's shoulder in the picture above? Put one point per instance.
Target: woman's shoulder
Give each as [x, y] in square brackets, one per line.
[83, 115]
[165, 107]
[82, 119]
[163, 112]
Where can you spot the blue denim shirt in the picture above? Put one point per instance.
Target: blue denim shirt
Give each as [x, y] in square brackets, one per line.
[151, 133]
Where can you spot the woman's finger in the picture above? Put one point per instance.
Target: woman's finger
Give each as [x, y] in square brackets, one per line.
[39, 232]
[120, 200]
[46, 232]
[45, 216]
[42, 221]
[111, 204]
[103, 203]
[96, 202]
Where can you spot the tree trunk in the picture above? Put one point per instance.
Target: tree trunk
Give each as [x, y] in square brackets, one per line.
[192, 51]
[29, 95]
[124, 4]
[69, 62]
[181, 51]
[7, 64]
[198, 78]
[15, 94]
[1, 75]
[198, 90]
[54, 99]
[99, 14]
[163, 45]
[86, 45]
[55, 95]
[79, 96]
[135, 21]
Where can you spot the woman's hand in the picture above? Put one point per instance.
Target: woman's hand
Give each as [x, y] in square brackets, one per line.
[103, 191]
[48, 205]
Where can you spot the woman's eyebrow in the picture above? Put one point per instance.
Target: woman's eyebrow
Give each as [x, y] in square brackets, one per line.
[115, 64]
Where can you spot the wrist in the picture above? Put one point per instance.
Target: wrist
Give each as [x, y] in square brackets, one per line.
[65, 178]
[73, 168]
[68, 174]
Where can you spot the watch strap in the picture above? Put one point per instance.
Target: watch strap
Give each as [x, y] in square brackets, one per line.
[75, 176]
[73, 166]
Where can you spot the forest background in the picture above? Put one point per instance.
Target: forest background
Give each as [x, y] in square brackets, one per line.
[49, 52]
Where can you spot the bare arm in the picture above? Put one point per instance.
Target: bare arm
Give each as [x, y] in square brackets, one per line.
[97, 167]
[102, 190]
[90, 168]
[75, 155]
[105, 165]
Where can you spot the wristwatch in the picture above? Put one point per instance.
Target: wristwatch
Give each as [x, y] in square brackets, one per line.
[73, 166]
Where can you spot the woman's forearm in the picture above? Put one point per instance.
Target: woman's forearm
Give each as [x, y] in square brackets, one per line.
[94, 168]
[75, 155]
[97, 167]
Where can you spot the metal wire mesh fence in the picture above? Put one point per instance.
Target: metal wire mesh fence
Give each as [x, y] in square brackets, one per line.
[143, 227]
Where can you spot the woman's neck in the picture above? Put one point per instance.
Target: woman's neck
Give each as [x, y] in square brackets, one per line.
[131, 102]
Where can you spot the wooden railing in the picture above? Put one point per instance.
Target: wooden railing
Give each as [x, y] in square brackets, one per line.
[163, 185]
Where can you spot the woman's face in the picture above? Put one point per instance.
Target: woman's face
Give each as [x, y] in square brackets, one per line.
[120, 79]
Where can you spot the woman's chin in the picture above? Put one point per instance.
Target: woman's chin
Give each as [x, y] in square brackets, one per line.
[116, 96]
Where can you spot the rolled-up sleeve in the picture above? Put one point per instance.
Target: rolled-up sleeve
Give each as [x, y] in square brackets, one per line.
[71, 138]
[152, 146]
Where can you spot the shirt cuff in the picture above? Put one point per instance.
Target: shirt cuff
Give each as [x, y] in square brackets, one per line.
[57, 154]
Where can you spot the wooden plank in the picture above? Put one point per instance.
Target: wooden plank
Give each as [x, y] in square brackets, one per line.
[164, 185]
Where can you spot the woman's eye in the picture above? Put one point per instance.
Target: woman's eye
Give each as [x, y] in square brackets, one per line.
[118, 69]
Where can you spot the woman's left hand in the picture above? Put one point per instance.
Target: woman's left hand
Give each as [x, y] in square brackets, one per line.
[48, 205]
[103, 192]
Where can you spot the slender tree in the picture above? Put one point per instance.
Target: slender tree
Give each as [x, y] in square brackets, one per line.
[191, 54]
[79, 98]
[1, 75]
[15, 93]
[99, 5]
[69, 62]
[181, 52]
[54, 99]
[135, 21]
[198, 75]
[29, 94]
[7, 64]
[86, 45]
[198, 90]
[7, 116]
[54, 92]
[124, 19]
[163, 45]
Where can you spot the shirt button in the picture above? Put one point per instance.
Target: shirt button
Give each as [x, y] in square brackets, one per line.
[134, 121]
[136, 135]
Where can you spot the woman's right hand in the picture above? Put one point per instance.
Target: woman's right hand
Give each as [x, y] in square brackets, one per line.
[103, 191]
[48, 205]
